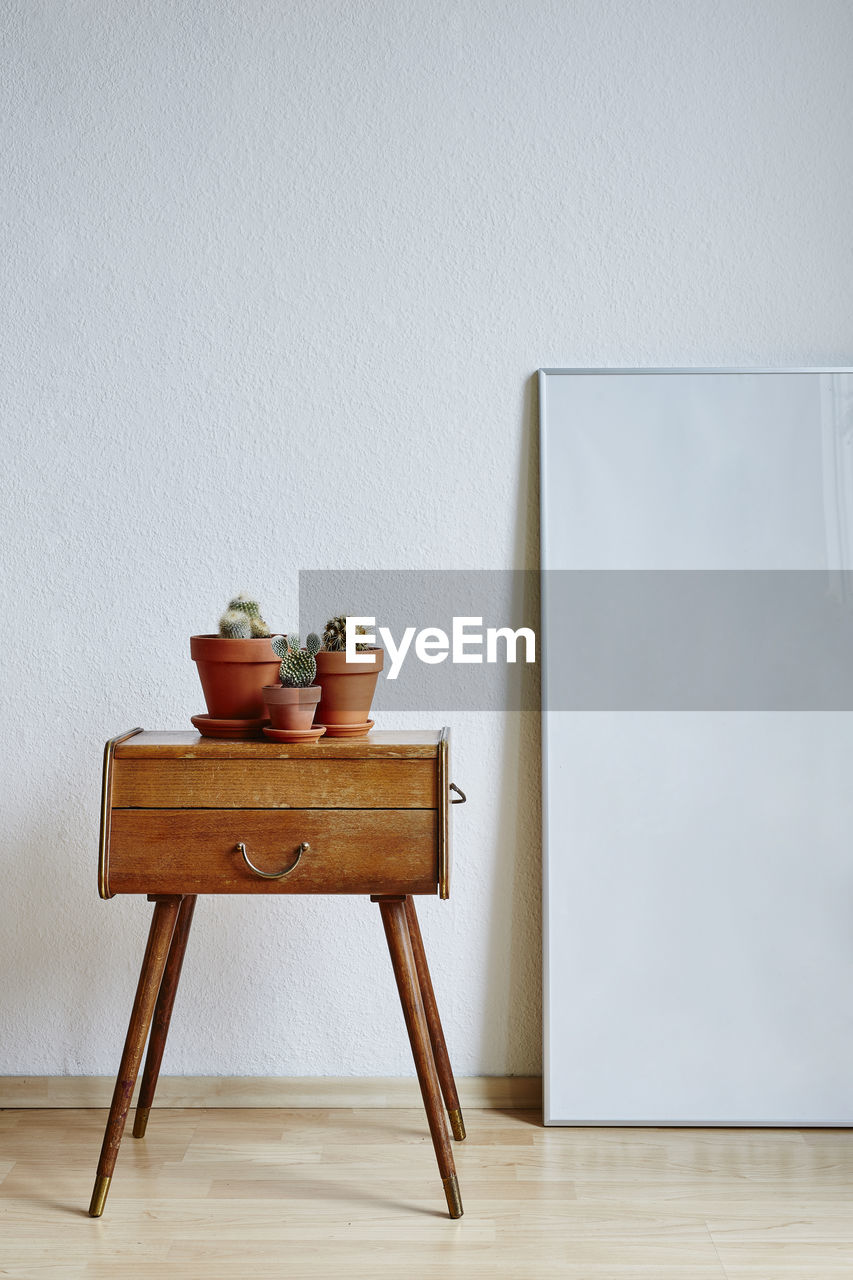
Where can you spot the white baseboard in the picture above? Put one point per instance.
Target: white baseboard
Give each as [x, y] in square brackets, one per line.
[487, 1092]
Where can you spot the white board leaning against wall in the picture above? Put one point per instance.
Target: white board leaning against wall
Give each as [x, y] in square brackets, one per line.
[697, 543]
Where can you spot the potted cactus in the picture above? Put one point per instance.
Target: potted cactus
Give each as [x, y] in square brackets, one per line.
[348, 687]
[234, 665]
[292, 702]
[242, 620]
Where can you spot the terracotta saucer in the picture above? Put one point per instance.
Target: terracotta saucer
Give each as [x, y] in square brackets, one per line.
[349, 730]
[210, 727]
[294, 735]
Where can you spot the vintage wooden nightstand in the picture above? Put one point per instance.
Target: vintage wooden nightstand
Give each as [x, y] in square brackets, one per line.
[184, 815]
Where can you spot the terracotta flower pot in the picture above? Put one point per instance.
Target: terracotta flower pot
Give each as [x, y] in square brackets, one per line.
[348, 687]
[233, 674]
[291, 708]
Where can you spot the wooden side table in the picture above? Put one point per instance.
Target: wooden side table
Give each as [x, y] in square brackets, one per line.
[184, 815]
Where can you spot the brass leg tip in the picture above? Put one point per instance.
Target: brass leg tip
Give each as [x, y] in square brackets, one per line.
[140, 1121]
[457, 1125]
[99, 1196]
[454, 1200]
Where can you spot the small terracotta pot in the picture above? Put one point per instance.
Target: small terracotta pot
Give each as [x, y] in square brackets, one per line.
[291, 708]
[348, 687]
[233, 673]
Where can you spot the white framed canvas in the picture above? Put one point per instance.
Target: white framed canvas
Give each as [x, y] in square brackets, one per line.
[697, 542]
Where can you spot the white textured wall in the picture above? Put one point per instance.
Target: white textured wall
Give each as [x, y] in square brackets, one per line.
[275, 277]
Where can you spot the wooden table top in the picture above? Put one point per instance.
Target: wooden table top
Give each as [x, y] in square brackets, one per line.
[181, 744]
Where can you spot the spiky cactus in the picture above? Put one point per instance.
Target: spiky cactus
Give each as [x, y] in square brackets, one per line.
[246, 605]
[335, 636]
[235, 625]
[298, 666]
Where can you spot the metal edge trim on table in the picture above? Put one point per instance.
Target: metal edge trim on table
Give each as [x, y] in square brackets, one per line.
[106, 805]
[444, 814]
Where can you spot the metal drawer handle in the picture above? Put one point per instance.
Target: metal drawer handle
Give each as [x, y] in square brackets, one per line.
[459, 792]
[273, 875]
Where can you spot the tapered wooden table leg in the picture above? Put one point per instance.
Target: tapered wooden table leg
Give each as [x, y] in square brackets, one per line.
[153, 964]
[163, 1016]
[436, 1034]
[402, 958]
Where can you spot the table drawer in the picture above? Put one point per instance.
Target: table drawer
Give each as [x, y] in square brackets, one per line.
[274, 784]
[195, 850]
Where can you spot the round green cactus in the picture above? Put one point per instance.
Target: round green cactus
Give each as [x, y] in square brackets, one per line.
[243, 606]
[235, 625]
[335, 636]
[298, 666]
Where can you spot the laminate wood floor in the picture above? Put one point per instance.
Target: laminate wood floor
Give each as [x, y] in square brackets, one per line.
[321, 1194]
